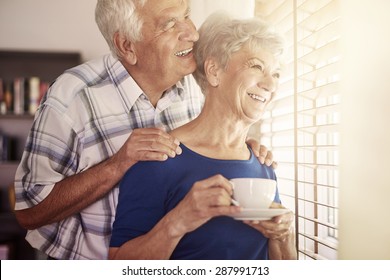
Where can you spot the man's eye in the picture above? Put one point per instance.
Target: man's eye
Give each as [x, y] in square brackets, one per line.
[170, 25]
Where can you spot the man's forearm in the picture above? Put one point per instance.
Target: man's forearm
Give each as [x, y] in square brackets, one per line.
[71, 195]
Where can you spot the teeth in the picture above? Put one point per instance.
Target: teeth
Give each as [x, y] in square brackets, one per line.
[183, 53]
[256, 97]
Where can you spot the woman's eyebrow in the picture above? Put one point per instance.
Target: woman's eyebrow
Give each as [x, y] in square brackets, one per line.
[257, 59]
[278, 68]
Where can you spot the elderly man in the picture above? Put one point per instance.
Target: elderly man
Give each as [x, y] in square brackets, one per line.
[100, 118]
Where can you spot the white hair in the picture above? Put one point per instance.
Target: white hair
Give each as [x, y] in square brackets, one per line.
[120, 16]
[220, 36]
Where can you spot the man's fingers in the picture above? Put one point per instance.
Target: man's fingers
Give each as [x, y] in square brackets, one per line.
[269, 157]
[255, 146]
[151, 156]
[162, 145]
[263, 153]
[156, 140]
[157, 133]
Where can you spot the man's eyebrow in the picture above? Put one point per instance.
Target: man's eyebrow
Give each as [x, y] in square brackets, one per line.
[169, 19]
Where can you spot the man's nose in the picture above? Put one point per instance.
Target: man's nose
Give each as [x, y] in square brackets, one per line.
[188, 31]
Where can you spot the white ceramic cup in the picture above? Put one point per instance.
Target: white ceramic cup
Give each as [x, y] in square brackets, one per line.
[255, 193]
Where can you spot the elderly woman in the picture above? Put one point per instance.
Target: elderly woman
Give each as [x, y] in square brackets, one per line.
[181, 208]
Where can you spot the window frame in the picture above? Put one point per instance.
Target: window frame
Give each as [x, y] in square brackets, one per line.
[306, 112]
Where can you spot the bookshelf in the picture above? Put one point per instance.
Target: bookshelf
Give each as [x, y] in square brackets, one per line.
[47, 66]
[15, 126]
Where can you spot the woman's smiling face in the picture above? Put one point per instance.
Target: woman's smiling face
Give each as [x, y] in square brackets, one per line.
[249, 82]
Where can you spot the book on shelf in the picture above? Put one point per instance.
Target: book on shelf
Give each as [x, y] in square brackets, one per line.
[7, 148]
[6, 97]
[19, 92]
[34, 95]
[21, 95]
[4, 251]
[2, 104]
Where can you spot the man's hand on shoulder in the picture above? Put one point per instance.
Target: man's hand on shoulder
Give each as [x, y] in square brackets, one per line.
[262, 153]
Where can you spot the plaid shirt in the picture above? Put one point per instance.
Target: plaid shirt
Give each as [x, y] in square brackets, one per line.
[87, 115]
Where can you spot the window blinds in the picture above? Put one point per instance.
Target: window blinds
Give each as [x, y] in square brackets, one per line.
[301, 125]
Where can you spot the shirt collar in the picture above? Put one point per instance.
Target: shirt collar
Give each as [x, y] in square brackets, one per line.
[128, 88]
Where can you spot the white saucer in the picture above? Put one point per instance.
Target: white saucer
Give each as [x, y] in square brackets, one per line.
[259, 214]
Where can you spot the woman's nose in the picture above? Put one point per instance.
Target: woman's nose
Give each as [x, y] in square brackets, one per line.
[268, 83]
[188, 31]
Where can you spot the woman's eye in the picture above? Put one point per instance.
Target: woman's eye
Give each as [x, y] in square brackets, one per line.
[257, 66]
[276, 75]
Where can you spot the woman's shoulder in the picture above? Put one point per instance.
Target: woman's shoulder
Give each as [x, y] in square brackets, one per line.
[261, 168]
[149, 168]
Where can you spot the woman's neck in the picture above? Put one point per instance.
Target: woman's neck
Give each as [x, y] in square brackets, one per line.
[215, 133]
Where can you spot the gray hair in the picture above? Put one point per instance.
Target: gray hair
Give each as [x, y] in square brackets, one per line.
[220, 36]
[120, 16]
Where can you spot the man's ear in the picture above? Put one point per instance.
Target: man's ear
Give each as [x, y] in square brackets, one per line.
[125, 49]
[212, 71]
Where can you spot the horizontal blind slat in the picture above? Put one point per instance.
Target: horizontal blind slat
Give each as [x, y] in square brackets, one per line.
[324, 53]
[329, 225]
[318, 184]
[312, 5]
[319, 18]
[312, 255]
[327, 34]
[321, 110]
[329, 244]
[269, 7]
[329, 89]
[318, 203]
[329, 128]
[321, 73]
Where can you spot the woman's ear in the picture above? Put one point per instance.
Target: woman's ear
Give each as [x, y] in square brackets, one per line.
[212, 71]
[125, 49]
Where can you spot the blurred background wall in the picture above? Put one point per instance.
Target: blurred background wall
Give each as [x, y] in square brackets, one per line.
[365, 132]
[51, 25]
[57, 25]
[202, 8]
